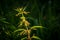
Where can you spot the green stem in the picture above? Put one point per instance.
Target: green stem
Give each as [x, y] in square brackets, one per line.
[22, 15]
[28, 33]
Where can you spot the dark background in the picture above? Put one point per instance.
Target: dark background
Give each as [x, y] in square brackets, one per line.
[47, 13]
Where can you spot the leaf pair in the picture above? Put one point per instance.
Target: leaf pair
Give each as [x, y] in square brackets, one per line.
[33, 37]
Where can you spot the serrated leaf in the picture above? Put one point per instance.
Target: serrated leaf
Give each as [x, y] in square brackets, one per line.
[24, 38]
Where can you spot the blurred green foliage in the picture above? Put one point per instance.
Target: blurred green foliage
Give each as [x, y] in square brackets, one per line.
[44, 13]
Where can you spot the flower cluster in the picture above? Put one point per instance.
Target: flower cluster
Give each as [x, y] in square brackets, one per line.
[24, 21]
[21, 12]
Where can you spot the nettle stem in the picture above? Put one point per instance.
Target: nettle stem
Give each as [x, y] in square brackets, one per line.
[28, 34]
[28, 31]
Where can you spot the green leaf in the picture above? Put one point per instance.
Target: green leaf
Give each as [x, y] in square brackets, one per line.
[5, 22]
[35, 37]
[19, 30]
[2, 19]
[24, 38]
[35, 27]
[23, 32]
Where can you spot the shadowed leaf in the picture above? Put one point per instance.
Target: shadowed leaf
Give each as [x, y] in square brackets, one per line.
[19, 30]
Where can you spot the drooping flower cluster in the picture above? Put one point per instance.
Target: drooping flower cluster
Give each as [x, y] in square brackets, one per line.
[24, 21]
[21, 12]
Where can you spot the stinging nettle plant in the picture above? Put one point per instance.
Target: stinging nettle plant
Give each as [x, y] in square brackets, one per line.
[24, 25]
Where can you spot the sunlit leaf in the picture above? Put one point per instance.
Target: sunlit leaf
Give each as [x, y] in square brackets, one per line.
[24, 38]
[35, 27]
[35, 37]
[23, 32]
